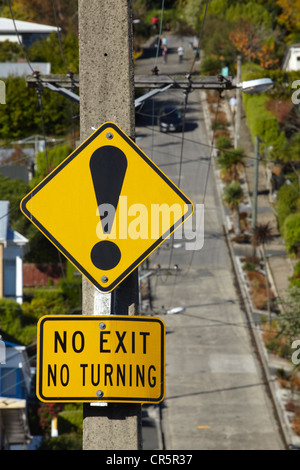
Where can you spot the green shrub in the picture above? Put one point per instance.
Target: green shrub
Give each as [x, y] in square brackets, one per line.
[45, 302]
[223, 142]
[261, 122]
[45, 164]
[211, 66]
[295, 279]
[249, 266]
[69, 421]
[63, 442]
[291, 233]
[10, 317]
[287, 203]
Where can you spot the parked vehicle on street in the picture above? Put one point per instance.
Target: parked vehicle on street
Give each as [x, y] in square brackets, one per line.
[169, 119]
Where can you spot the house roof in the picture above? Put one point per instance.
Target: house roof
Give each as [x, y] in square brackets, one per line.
[7, 27]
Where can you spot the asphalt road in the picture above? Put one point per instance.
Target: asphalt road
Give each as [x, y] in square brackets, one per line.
[216, 396]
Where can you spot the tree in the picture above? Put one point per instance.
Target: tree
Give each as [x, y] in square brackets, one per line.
[233, 195]
[290, 318]
[193, 11]
[231, 160]
[48, 50]
[40, 11]
[255, 44]
[262, 234]
[13, 190]
[289, 17]
[21, 116]
[246, 40]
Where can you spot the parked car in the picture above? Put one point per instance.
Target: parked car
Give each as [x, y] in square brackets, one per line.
[169, 119]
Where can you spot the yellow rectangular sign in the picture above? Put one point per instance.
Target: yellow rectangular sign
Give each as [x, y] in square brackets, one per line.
[107, 358]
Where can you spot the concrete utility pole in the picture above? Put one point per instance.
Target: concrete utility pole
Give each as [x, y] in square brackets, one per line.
[107, 94]
[237, 132]
[255, 183]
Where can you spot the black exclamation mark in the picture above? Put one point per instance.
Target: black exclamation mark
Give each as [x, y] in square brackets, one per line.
[108, 166]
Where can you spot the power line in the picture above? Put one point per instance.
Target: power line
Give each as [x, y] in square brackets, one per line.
[159, 34]
[59, 36]
[200, 36]
[207, 174]
[215, 147]
[18, 36]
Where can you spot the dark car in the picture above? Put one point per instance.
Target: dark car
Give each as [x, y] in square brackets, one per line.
[169, 119]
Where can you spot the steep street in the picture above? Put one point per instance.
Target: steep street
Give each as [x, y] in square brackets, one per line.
[216, 393]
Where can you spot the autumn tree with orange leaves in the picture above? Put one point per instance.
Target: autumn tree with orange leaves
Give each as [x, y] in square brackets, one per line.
[253, 44]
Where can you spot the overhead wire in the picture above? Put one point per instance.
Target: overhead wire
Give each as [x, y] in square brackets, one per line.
[200, 36]
[227, 150]
[207, 176]
[39, 87]
[159, 33]
[58, 29]
[69, 73]
[187, 92]
[158, 39]
[18, 36]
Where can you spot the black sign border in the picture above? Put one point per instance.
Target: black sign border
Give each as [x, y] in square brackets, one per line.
[99, 318]
[68, 255]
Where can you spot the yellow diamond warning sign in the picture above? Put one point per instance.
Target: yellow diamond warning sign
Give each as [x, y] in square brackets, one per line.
[110, 358]
[106, 207]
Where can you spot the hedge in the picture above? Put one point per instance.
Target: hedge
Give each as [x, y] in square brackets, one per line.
[291, 233]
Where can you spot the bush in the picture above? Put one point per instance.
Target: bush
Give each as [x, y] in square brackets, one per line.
[295, 279]
[63, 442]
[287, 203]
[54, 157]
[10, 317]
[291, 233]
[224, 143]
[69, 421]
[249, 266]
[261, 122]
[211, 66]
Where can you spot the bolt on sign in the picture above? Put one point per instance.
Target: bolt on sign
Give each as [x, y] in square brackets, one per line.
[107, 358]
[106, 207]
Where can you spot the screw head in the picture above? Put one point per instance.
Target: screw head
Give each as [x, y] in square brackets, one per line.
[102, 326]
[109, 135]
[99, 393]
[104, 278]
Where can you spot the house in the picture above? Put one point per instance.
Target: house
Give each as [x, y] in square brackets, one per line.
[21, 68]
[12, 249]
[28, 32]
[15, 383]
[291, 61]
